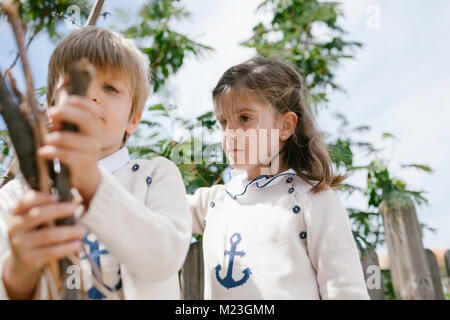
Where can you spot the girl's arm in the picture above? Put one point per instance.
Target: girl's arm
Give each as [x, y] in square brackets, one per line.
[332, 249]
[198, 206]
[150, 238]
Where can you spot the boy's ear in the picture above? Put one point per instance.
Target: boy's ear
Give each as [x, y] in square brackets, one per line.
[133, 124]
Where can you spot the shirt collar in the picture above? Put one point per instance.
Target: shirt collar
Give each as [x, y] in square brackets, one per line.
[116, 160]
[239, 183]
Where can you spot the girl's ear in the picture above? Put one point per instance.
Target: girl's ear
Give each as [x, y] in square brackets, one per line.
[288, 123]
[133, 124]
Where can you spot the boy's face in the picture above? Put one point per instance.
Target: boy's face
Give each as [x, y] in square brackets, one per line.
[113, 95]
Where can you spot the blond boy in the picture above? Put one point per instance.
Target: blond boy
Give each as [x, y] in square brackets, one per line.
[136, 226]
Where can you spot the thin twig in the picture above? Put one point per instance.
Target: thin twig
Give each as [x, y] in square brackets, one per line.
[36, 31]
[13, 170]
[12, 83]
[95, 12]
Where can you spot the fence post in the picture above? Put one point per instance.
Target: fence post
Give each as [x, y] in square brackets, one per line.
[447, 262]
[372, 274]
[411, 277]
[192, 274]
[435, 275]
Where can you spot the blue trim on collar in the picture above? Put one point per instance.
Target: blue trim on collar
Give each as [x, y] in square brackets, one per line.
[257, 185]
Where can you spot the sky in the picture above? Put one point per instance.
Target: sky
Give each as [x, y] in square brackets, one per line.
[398, 82]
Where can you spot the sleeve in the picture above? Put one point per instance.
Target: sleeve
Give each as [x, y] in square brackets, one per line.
[9, 195]
[8, 198]
[198, 206]
[332, 249]
[152, 238]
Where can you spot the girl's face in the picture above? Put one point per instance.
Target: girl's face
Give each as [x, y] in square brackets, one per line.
[250, 135]
[113, 95]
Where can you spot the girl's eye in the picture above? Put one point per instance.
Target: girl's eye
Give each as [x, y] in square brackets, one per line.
[245, 118]
[223, 123]
[111, 88]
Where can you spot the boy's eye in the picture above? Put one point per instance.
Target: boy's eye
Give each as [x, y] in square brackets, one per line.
[223, 123]
[111, 88]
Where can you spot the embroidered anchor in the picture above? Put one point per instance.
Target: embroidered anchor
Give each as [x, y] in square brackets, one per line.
[94, 252]
[228, 282]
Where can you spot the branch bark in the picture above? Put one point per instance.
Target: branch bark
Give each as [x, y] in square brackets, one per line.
[95, 12]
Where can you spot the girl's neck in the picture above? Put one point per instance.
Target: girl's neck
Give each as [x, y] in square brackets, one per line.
[259, 171]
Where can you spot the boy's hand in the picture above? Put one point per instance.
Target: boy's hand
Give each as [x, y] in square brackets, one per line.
[33, 248]
[79, 151]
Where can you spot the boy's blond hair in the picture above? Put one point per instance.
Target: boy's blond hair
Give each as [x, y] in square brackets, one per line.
[108, 52]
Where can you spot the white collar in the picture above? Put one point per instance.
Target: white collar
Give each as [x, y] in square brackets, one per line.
[116, 160]
[239, 182]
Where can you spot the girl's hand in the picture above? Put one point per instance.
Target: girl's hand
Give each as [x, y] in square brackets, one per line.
[32, 248]
[79, 151]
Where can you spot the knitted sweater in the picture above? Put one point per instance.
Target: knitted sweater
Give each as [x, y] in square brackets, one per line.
[271, 238]
[147, 236]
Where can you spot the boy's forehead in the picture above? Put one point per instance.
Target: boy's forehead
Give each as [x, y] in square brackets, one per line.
[100, 74]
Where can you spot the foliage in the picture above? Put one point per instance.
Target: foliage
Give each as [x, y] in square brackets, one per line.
[166, 48]
[293, 35]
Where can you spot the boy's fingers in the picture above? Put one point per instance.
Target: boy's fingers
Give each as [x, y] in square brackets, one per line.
[66, 156]
[30, 199]
[86, 122]
[56, 252]
[70, 140]
[49, 237]
[41, 215]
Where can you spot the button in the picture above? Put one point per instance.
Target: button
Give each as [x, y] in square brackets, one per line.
[291, 190]
[135, 167]
[296, 209]
[303, 235]
[212, 204]
[204, 222]
[148, 180]
[289, 180]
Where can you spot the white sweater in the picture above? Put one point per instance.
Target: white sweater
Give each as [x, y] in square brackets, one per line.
[140, 214]
[271, 238]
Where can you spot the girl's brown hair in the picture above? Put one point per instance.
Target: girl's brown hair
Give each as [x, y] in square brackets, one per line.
[279, 85]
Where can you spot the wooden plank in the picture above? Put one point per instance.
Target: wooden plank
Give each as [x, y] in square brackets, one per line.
[192, 273]
[372, 274]
[435, 275]
[447, 262]
[411, 276]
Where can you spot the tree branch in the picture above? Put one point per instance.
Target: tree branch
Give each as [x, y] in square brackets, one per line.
[39, 126]
[95, 12]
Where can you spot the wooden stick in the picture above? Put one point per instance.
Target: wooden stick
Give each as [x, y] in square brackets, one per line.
[95, 12]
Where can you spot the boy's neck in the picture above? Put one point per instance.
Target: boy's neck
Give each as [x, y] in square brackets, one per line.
[106, 152]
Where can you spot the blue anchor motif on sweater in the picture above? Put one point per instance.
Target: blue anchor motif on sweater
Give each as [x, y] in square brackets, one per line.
[228, 282]
[95, 253]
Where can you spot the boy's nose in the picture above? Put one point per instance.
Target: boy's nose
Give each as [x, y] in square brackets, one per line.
[93, 94]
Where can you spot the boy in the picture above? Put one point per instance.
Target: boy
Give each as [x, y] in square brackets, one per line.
[136, 216]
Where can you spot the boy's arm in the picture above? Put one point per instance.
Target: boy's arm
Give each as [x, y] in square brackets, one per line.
[332, 249]
[151, 238]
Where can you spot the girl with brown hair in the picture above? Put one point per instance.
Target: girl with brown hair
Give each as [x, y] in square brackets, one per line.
[276, 230]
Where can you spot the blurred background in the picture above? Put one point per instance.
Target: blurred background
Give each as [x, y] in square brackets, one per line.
[377, 73]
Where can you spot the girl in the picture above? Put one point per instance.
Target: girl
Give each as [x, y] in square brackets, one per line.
[276, 230]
